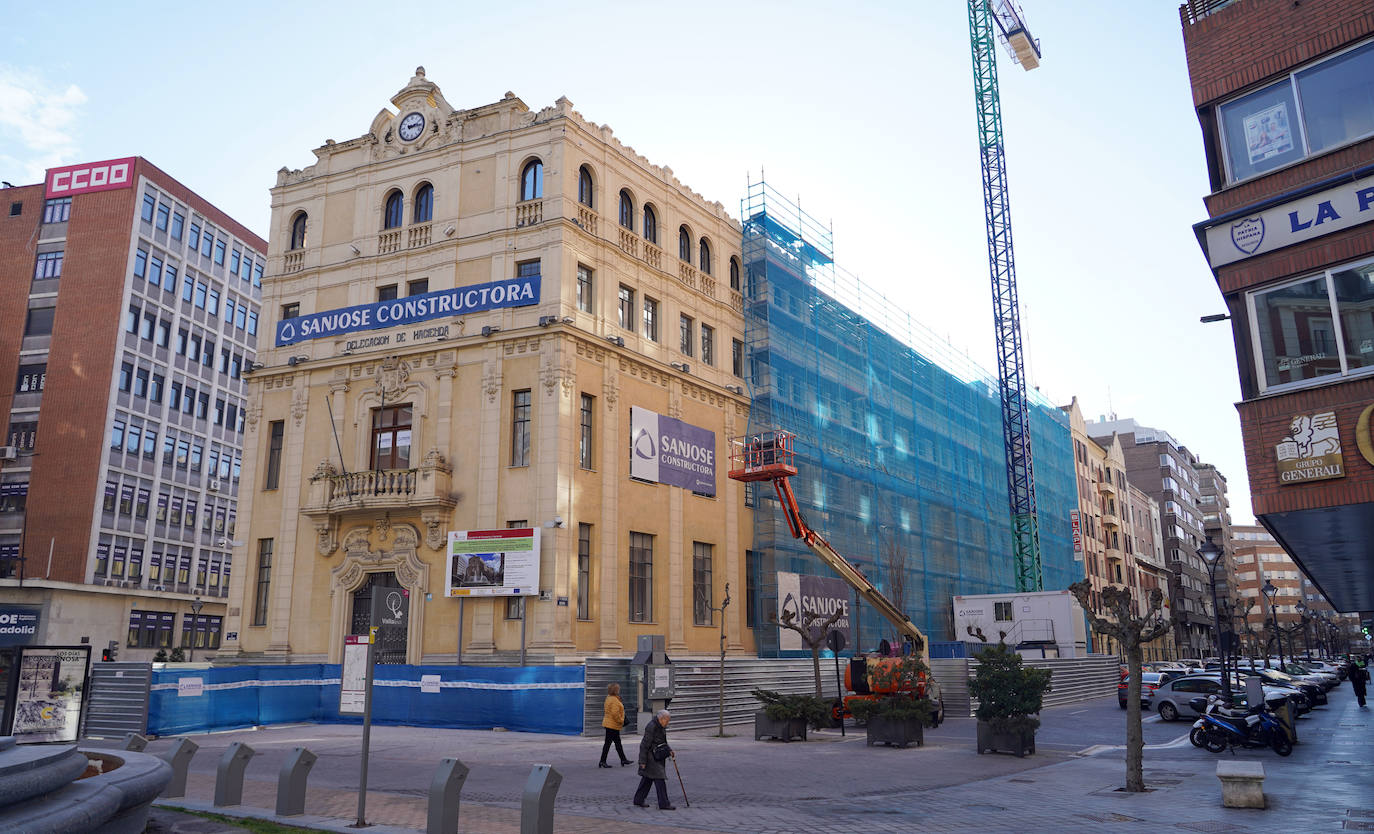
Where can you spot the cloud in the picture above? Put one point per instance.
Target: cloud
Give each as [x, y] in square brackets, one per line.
[37, 123]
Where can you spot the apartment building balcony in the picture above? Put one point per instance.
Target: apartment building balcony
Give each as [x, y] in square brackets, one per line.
[629, 242]
[1106, 487]
[1109, 518]
[529, 213]
[294, 262]
[388, 242]
[418, 236]
[586, 219]
[423, 489]
[653, 256]
[687, 274]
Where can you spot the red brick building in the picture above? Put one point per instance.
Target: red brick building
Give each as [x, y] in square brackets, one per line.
[130, 309]
[1285, 97]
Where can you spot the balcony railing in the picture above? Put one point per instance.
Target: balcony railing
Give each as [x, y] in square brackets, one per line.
[529, 213]
[295, 262]
[708, 287]
[629, 243]
[1194, 10]
[419, 235]
[653, 256]
[586, 218]
[388, 242]
[426, 487]
[687, 274]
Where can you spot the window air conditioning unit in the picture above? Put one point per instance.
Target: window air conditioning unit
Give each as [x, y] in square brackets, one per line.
[9, 453]
[213, 486]
[160, 588]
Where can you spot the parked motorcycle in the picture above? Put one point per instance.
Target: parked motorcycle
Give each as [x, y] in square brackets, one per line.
[1220, 728]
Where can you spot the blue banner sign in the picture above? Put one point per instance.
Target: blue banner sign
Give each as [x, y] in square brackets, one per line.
[460, 301]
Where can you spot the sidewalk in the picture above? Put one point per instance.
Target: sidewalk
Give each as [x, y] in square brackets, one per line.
[830, 784]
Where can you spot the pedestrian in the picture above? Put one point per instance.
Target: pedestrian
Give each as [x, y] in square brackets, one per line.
[613, 720]
[1359, 678]
[653, 751]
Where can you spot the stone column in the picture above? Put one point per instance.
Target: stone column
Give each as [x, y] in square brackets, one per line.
[554, 473]
[733, 552]
[606, 544]
[284, 549]
[679, 553]
[483, 638]
[242, 561]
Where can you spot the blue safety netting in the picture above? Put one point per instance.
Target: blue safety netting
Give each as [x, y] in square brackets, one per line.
[537, 699]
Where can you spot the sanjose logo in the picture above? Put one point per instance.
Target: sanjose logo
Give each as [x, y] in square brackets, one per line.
[644, 445]
[92, 176]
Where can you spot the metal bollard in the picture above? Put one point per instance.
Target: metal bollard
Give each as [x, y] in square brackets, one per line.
[536, 803]
[443, 797]
[179, 758]
[229, 774]
[291, 782]
[135, 743]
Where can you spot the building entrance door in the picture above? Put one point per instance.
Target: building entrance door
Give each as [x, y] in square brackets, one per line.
[391, 640]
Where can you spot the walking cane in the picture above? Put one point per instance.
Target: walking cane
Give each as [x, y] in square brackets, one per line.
[687, 801]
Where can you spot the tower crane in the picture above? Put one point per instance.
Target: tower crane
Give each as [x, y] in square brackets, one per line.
[1011, 371]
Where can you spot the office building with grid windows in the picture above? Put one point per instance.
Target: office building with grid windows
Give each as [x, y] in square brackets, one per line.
[135, 310]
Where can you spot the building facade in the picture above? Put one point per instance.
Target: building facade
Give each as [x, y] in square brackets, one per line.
[487, 319]
[134, 304]
[1285, 99]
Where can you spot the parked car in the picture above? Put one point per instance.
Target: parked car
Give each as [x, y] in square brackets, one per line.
[1148, 682]
[1171, 700]
[1325, 666]
[1305, 670]
[1314, 693]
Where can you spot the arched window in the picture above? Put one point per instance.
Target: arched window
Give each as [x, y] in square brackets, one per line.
[532, 181]
[650, 225]
[684, 244]
[627, 210]
[704, 261]
[584, 186]
[393, 215]
[424, 204]
[734, 273]
[298, 231]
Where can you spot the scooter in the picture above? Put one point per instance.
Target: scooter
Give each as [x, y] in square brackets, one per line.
[1220, 728]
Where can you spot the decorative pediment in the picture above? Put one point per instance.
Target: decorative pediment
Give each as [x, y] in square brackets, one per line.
[422, 118]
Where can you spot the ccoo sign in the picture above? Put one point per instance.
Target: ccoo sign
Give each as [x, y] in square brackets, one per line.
[92, 176]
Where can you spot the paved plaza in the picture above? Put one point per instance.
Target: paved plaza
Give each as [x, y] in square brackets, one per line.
[831, 783]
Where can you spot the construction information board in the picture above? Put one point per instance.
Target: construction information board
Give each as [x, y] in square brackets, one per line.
[353, 686]
[493, 562]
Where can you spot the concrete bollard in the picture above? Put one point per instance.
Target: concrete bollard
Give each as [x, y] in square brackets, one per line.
[443, 797]
[291, 782]
[135, 743]
[536, 803]
[179, 758]
[229, 774]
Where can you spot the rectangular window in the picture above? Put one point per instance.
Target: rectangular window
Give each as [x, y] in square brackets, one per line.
[193, 349]
[201, 289]
[229, 309]
[207, 243]
[627, 308]
[751, 588]
[188, 287]
[641, 578]
[58, 210]
[520, 428]
[702, 598]
[193, 238]
[420, 286]
[527, 269]
[1314, 328]
[131, 319]
[650, 319]
[117, 434]
[1002, 612]
[386, 293]
[141, 383]
[164, 214]
[240, 317]
[264, 583]
[202, 405]
[584, 289]
[126, 376]
[290, 311]
[391, 432]
[38, 322]
[252, 324]
[737, 358]
[708, 345]
[584, 449]
[178, 225]
[149, 206]
[219, 252]
[212, 302]
[149, 325]
[31, 379]
[234, 262]
[584, 571]
[200, 631]
[48, 266]
[149, 443]
[257, 274]
[23, 436]
[686, 328]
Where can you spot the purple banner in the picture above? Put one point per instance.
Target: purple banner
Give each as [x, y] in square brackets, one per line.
[668, 451]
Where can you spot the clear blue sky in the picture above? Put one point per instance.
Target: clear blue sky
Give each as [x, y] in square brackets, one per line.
[863, 110]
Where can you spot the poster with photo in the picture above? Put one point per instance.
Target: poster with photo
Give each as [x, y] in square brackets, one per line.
[47, 702]
[1268, 133]
[493, 562]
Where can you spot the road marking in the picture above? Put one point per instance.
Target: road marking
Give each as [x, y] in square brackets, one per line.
[1080, 712]
[1104, 748]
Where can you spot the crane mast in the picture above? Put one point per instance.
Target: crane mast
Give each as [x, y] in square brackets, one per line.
[1011, 371]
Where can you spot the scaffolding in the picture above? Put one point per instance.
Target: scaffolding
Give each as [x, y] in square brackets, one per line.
[899, 442]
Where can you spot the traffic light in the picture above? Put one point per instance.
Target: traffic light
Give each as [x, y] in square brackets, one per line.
[110, 652]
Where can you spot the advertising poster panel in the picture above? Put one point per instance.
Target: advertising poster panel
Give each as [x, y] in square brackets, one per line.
[19, 624]
[488, 563]
[811, 600]
[47, 703]
[668, 451]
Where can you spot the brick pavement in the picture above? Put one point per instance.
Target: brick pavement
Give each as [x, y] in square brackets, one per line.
[833, 784]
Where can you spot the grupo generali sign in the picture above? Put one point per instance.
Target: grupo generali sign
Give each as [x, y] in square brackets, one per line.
[1292, 222]
[460, 301]
[1311, 450]
[809, 601]
[668, 451]
[488, 563]
[88, 177]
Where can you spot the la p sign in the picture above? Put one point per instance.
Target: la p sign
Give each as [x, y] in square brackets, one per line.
[91, 176]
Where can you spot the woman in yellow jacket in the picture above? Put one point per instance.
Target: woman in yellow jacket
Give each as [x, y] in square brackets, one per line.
[613, 721]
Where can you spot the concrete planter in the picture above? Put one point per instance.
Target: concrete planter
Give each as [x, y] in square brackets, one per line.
[994, 742]
[42, 790]
[785, 729]
[898, 732]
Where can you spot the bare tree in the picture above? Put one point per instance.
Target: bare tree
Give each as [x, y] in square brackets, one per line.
[812, 635]
[1242, 615]
[895, 564]
[1131, 632]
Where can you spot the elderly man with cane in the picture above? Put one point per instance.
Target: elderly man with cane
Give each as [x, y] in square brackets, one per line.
[653, 752]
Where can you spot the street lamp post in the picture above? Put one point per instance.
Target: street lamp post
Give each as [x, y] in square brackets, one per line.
[1269, 592]
[196, 605]
[1211, 554]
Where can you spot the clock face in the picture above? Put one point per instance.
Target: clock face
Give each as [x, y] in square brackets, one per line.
[411, 126]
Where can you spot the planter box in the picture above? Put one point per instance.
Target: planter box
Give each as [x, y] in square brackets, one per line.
[898, 732]
[992, 742]
[786, 729]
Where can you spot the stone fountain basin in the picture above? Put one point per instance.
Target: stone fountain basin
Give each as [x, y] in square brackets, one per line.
[42, 790]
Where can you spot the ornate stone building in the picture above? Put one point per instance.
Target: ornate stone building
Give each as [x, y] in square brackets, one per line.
[467, 310]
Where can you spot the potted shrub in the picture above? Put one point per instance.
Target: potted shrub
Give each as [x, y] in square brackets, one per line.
[1009, 695]
[894, 719]
[787, 716]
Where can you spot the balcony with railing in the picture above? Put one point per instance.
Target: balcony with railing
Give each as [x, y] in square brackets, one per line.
[295, 262]
[629, 242]
[389, 241]
[529, 213]
[653, 256]
[425, 488]
[586, 219]
[687, 274]
[419, 235]
[1194, 10]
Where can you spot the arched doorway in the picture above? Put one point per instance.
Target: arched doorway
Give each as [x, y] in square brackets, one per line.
[391, 641]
